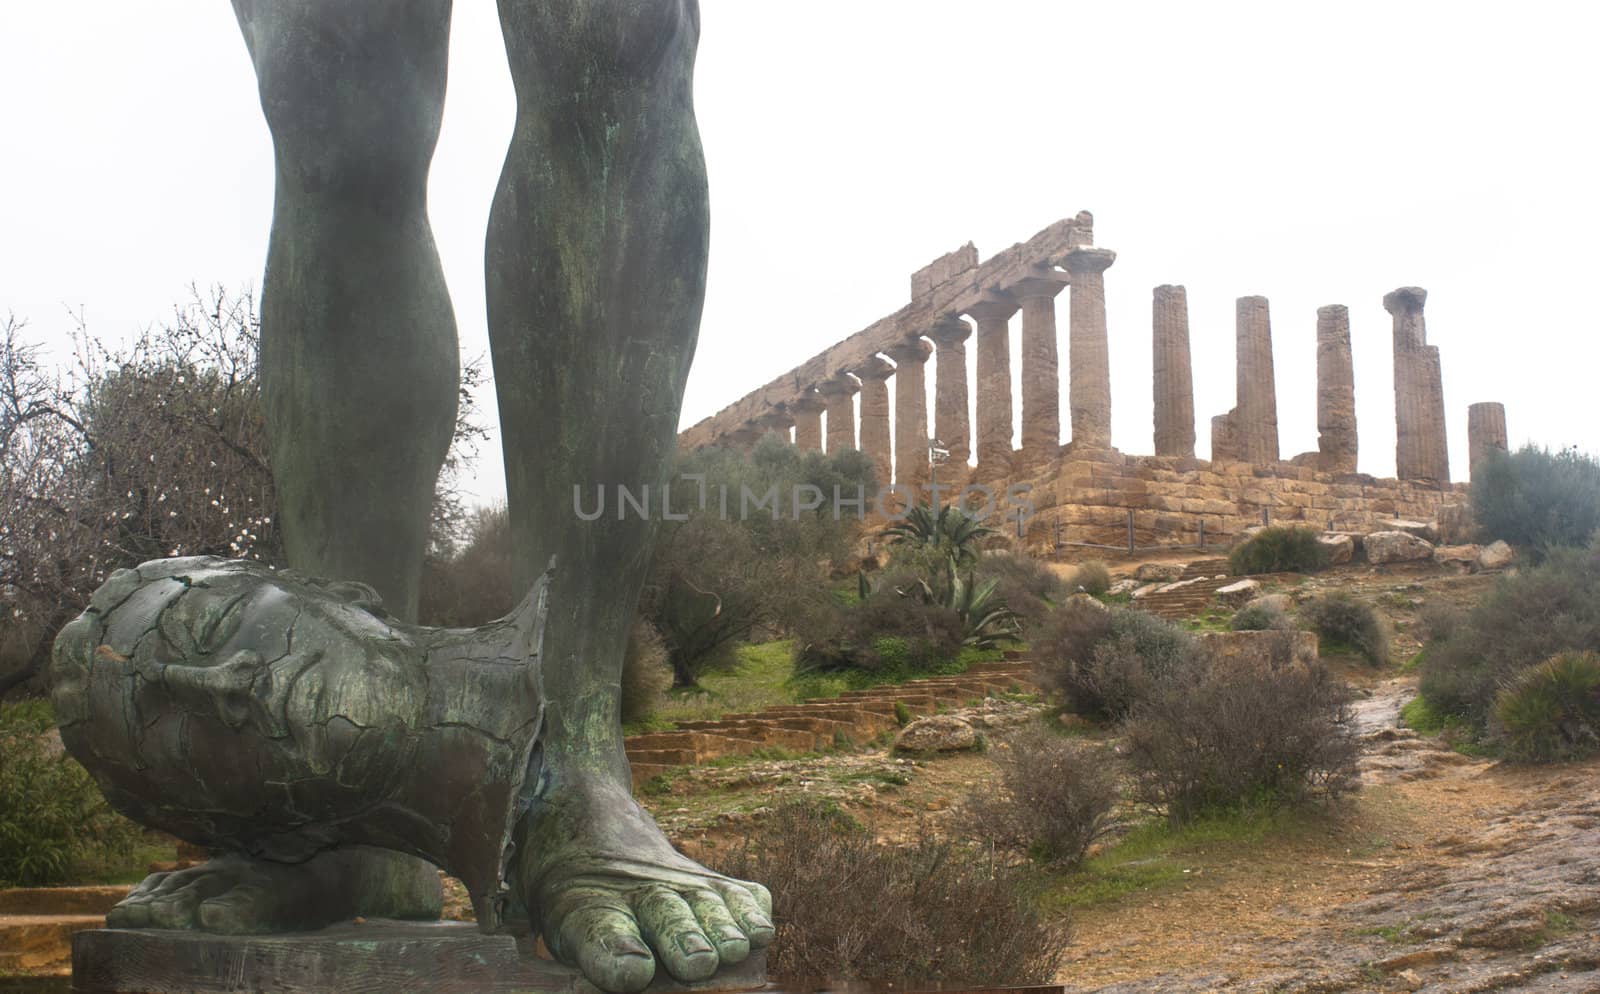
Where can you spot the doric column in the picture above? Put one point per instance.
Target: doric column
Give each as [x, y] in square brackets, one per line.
[777, 421]
[1420, 446]
[1089, 389]
[874, 376]
[993, 373]
[1486, 432]
[1256, 417]
[1224, 439]
[840, 395]
[1336, 391]
[1041, 367]
[1173, 374]
[910, 412]
[950, 424]
[808, 421]
[742, 437]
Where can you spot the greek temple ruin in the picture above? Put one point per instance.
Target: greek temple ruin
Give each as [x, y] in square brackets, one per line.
[1085, 485]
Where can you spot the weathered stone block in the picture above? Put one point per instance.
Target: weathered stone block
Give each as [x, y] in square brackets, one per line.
[1396, 547]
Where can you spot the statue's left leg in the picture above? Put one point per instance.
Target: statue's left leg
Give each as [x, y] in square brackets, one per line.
[359, 374]
[596, 262]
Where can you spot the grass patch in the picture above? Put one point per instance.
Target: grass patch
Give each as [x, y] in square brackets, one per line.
[1153, 855]
[764, 677]
[1397, 934]
[1422, 717]
[1215, 619]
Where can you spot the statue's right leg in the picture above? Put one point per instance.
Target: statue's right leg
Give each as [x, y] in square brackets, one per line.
[359, 368]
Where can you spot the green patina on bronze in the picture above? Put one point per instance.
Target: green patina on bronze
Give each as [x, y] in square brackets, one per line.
[333, 752]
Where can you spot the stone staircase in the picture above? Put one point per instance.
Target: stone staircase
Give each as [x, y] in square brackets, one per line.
[37, 925]
[1199, 584]
[856, 717]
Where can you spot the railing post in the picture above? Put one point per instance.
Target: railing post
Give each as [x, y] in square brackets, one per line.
[1130, 531]
[1202, 544]
[1266, 516]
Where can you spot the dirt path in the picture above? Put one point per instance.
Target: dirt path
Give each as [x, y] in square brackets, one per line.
[1444, 874]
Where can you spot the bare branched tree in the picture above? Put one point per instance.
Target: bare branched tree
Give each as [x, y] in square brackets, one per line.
[152, 449]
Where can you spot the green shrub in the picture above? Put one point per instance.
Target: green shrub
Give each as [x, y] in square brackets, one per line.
[719, 580]
[1537, 499]
[1053, 798]
[52, 817]
[1260, 616]
[960, 917]
[1102, 661]
[1027, 586]
[1278, 550]
[1340, 620]
[1551, 711]
[1092, 578]
[888, 633]
[1539, 613]
[1218, 736]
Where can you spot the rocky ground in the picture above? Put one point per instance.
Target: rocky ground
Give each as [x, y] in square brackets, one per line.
[1445, 873]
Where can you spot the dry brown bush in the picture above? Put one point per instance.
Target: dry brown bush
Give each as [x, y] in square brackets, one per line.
[851, 909]
[1220, 735]
[1053, 797]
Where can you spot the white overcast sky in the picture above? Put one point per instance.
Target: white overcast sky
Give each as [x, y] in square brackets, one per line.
[1315, 154]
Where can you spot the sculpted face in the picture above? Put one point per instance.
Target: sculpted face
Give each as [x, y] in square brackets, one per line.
[267, 700]
[245, 643]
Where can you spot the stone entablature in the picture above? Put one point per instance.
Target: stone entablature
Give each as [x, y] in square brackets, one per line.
[952, 286]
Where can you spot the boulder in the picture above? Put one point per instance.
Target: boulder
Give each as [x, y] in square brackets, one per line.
[1428, 531]
[1465, 556]
[1456, 523]
[1146, 590]
[1158, 572]
[1123, 587]
[1086, 600]
[1397, 547]
[1338, 547]
[937, 733]
[1169, 587]
[1242, 592]
[1273, 602]
[1496, 555]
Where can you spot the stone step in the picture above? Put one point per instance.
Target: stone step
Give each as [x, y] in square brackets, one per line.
[43, 942]
[663, 757]
[60, 900]
[766, 735]
[705, 745]
[858, 715]
[1204, 567]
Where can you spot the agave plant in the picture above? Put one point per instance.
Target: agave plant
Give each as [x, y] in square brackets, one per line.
[951, 530]
[985, 619]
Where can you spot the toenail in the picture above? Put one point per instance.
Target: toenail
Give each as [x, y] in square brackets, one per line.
[760, 922]
[623, 945]
[730, 934]
[694, 944]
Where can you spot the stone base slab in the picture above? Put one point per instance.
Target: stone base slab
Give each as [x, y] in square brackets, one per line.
[377, 957]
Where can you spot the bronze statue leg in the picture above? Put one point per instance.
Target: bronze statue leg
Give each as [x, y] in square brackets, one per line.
[359, 360]
[595, 262]
[359, 378]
